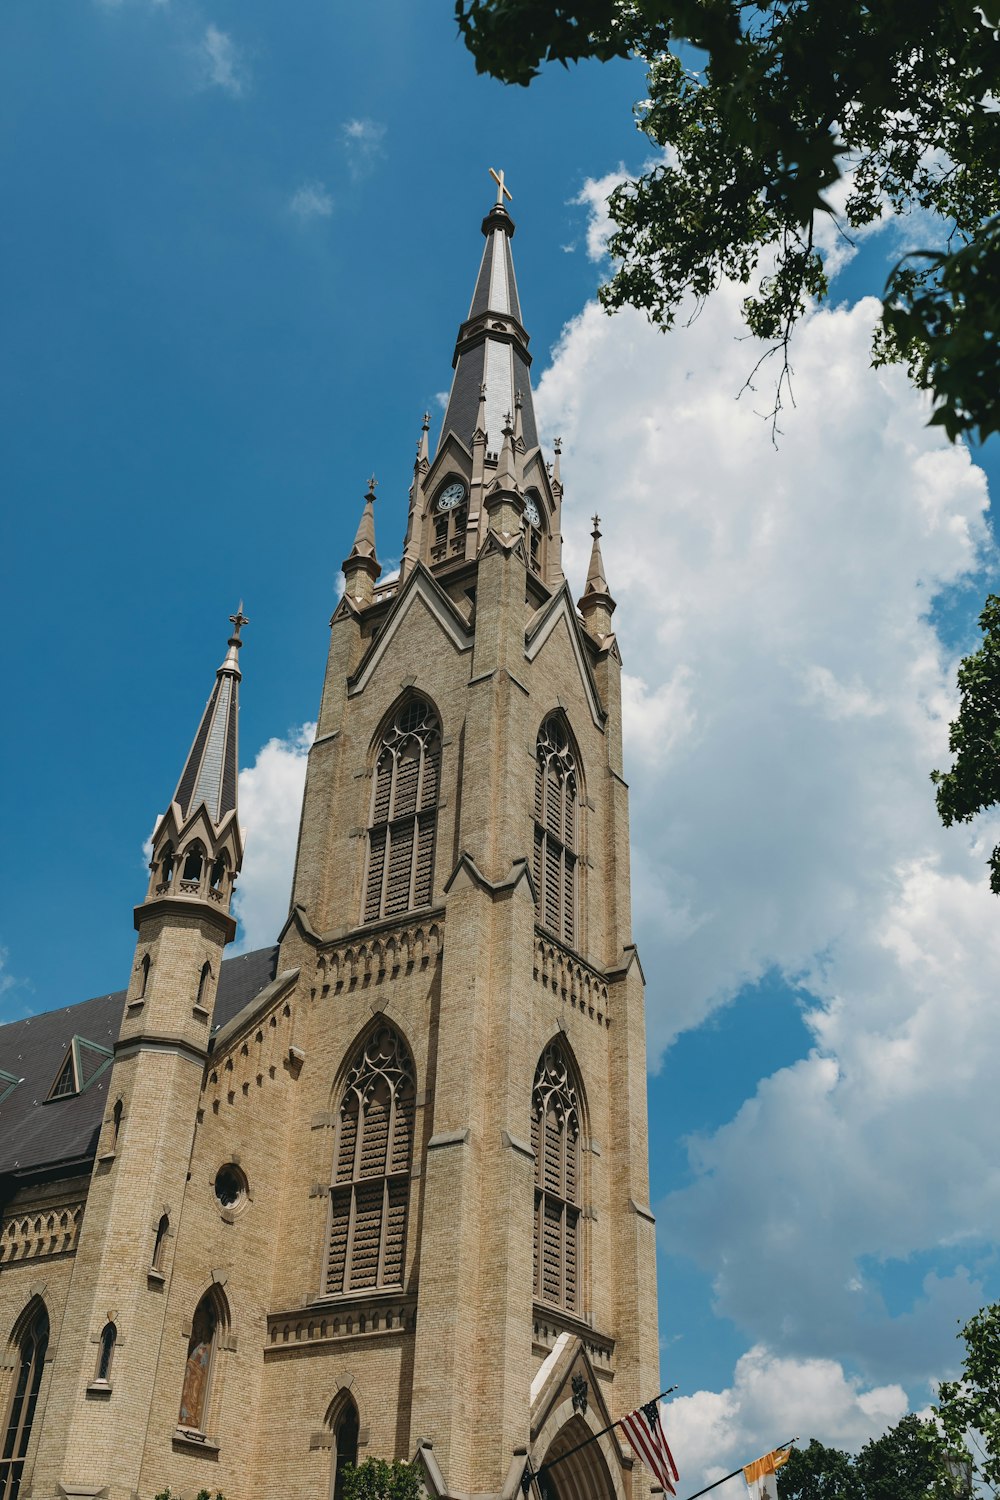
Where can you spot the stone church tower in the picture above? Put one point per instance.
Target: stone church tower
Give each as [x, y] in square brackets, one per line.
[382, 1190]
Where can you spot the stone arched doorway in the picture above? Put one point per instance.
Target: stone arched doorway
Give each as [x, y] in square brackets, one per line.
[584, 1475]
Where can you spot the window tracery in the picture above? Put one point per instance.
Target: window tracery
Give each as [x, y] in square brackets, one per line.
[555, 1140]
[403, 820]
[30, 1364]
[369, 1197]
[556, 857]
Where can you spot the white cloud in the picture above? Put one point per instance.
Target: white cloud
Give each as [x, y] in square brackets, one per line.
[270, 798]
[770, 1401]
[221, 62]
[363, 142]
[785, 697]
[311, 201]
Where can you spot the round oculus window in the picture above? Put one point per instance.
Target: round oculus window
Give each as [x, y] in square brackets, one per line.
[230, 1186]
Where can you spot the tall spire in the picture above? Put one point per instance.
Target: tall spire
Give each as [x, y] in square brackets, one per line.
[597, 605]
[210, 772]
[492, 344]
[362, 567]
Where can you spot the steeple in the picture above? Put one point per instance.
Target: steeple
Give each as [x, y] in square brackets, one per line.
[492, 344]
[362, 567]
[597, 605]
[211, 769]
[197, 844]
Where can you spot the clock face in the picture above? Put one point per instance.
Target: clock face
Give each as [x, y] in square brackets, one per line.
[451, 496]
[531, 512]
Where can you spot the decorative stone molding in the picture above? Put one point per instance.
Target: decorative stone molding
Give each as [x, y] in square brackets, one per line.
[37, 1236]
[371, 1317]
[560, 971]
[365, 961]
[548, 1324]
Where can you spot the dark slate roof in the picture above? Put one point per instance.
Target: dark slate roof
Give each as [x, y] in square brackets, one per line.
[210, 771]
[35, 1135]
[498, 361]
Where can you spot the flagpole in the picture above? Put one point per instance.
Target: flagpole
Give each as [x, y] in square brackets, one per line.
[536, 1473]
[733, 1475]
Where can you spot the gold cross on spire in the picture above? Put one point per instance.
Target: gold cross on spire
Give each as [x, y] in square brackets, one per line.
[238, 620]
[597, 527]
[372, 484]
[502, 191]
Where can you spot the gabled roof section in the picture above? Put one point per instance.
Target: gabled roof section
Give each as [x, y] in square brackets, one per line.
[541, 626]
[36, 1137]
[421, 584]
[492, 347]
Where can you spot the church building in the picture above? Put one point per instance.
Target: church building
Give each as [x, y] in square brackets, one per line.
[381, 1189]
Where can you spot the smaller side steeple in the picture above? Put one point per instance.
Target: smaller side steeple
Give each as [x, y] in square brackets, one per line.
[197, 844]
[362, 567]
[505, 496]
[597, 605]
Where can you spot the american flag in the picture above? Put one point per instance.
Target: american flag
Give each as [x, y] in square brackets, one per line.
[644, 1431]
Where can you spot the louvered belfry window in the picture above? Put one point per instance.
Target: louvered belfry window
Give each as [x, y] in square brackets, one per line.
[555, 830]
[371, 1176]
[403, 823]
[555, 1140]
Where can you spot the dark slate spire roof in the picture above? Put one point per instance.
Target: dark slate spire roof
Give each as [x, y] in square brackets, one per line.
[209, 775]
[492, 347]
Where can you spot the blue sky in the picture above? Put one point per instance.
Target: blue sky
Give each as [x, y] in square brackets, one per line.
[237, 242]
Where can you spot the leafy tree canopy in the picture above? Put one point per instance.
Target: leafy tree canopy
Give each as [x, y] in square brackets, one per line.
[375, 1479]
[900, 1465]
[896, 96]
[968, 1409]
[973, 783]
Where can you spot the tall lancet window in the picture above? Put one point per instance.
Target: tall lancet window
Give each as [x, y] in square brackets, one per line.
[400, 868]
[555, 830]
[370, 1194]
[555, 1140]
[29, 1363]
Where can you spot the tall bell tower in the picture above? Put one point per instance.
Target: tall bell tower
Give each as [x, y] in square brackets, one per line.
[473, 1096]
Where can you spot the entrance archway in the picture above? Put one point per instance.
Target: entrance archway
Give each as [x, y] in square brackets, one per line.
[583, 1476]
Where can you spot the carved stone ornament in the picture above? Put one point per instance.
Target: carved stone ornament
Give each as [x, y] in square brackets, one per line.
[580, 1392]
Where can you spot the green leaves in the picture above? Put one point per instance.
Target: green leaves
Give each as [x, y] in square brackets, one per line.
[375, 1479]
[795, 95]
[973, 783]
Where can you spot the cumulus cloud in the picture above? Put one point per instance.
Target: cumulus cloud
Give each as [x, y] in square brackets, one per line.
[771, 1400]
[311, 201]
[786, 694]
[270, 794]
[363, 142]
[221, 62]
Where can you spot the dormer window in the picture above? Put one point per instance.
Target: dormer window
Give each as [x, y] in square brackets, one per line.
[82, 1063]
[8, 1083]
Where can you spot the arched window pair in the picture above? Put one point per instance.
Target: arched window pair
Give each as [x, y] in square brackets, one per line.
[555, 1140]
[403, 818]
[29, 1364]
[556, 795]
[208, 1326]
[373, 1150]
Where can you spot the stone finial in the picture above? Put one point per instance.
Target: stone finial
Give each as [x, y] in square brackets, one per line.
[423, 446]
[597, 605]
[362, 567]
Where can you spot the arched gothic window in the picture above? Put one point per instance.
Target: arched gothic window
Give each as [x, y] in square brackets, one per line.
[30, 1363]
[370, 1194]
[555, 830]
[345, 1445]
[203, 983]
[555, 1140]
[403, 821]
[109, 1338]
[160, 1243]
[143, 977]
[202, 1348]
[194, 859]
